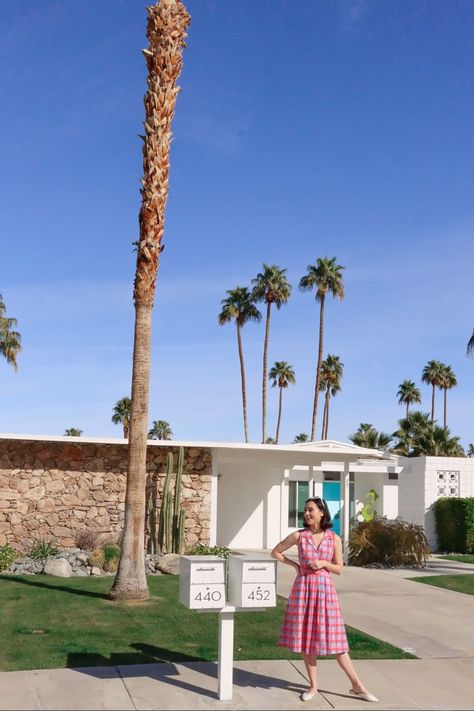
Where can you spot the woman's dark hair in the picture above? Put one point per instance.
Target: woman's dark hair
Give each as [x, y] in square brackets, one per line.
[322, 505]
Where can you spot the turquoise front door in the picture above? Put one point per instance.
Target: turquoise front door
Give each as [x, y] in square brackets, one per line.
[332, 496]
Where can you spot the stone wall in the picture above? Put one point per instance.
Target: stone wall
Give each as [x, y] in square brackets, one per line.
[55, 490]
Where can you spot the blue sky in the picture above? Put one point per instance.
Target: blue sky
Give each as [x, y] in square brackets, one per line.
[305, 129]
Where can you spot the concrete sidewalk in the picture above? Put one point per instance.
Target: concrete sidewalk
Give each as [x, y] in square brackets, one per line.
[399, 684]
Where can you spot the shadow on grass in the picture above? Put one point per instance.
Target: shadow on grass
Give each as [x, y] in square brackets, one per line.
[159, 664]
[47, 586]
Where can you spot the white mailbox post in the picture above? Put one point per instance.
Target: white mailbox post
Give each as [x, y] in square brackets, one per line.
[202, 582]
[251, 581]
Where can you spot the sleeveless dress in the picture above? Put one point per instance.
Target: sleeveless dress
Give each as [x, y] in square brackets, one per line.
[313, 621]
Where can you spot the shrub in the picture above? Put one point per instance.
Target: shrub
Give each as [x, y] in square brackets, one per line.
[201, 549]
[111, 553]
[7, 555]
[96, 558]
[41, 550]
[390, 543]
[87, 539]
[455, 524]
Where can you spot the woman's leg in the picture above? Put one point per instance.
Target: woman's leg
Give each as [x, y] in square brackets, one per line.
[345, 662]
[310, 664]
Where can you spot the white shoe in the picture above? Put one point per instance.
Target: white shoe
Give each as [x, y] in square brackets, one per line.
[308, 695]
[364, 695]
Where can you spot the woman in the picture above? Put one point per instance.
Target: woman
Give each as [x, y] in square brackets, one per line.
[313, 622]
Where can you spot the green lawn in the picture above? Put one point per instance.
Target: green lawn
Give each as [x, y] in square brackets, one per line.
[459, 557]
[459, 583]
[50, 622]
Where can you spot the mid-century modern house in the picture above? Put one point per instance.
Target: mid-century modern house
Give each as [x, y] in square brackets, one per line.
[244, 496]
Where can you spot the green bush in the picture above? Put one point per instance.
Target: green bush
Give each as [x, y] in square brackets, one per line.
[42, 550]
[201, 549]
[455, 524]
[7, 555]
[390, 543]
[111, 553]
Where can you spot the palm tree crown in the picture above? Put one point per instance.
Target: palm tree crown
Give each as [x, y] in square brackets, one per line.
[447, 380]
[432, 374]
[368, 436]
[326, 278]
[73, 432]
[121, 414]
[301, 437]
[470, 345]
[407, 394]
[270, 286]
[160, 430]
[10, 340]
[331, 375]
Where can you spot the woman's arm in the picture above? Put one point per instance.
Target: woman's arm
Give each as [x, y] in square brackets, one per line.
[337, 563]
[288, 542]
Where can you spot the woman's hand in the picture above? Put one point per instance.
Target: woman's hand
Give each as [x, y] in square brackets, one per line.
[318, 564]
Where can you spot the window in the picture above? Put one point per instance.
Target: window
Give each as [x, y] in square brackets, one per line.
[332, 476]
[393, 475]
[298, 493]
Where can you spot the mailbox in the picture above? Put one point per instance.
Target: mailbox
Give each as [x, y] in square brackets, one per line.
[251, 581]
[202, 581]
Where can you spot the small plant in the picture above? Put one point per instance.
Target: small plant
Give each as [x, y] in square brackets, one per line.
[87, 539]
[96, 558]
[7, 555]
[202, 549]
[111, 553]
[390, 543]
[42, 550]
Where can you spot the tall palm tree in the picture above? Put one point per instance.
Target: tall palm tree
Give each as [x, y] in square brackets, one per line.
[326, 278]
[238, 306]
[121, 415]
[270, 286]
[331, 376]
[470, 345]
[470, 450]
[281, 375]
[301, 437]
[448, 380]
[432, 373]
[73, 432]
[10, 340]
[407, 394]
[368, 436]
[160, 430]
[167, 26]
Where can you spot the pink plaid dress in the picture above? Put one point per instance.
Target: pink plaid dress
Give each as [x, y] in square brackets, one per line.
[313, 621]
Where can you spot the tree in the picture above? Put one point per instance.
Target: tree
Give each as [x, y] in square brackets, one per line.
[73, 432]
[407, 394]
[166, 31]
[10, 340]
[470, 450]
[447, 381]
[270, 440]
[367, 436]
[331, 376]
[121, 415]
[431, 375]
[470, 345]
[281, 375]
[437, 442]
[300, 438]
[238, 307]
[270, 286]
[326, 278]
[160, 430]
[410, 429]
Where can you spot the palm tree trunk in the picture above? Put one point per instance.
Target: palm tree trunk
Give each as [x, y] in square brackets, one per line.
[242, 377]
[318, 369]
[445, 401]
[323, 426]
[432, 404]
[279, 416]
[264, 380]
[126, 429]
[326, 405]
[130, 582]
[408, 405]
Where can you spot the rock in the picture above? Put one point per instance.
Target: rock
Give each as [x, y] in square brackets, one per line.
[80, 573]
[169, 564]
[95, 570]
[58, 567]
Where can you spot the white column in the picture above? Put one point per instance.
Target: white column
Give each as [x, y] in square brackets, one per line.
[284, 489]
[345, 511]
[226, 655]
[213, 505]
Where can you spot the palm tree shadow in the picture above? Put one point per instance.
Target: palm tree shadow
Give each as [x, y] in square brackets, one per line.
[47, 586]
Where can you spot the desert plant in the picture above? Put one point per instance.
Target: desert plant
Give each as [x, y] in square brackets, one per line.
[390, 543]
[7, 555]
[87, 539]
[96, 558]
[170, 536]
[202, 549]
[42, 550]
[111, 553]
